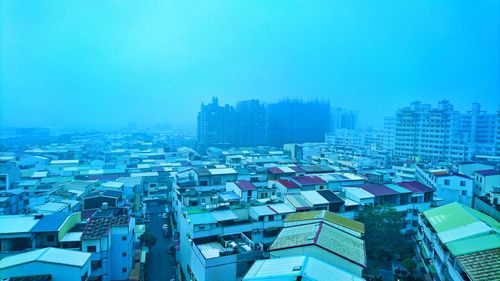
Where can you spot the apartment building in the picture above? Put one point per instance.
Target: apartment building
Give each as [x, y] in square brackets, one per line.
[427, 133]
[449, 186]
[458, 243]
[109, 236]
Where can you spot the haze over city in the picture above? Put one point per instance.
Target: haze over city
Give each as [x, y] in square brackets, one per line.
[105, 64]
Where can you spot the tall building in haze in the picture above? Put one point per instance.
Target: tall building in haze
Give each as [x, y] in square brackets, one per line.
[297, 121]
[216, 125]
[250, 123]
[427, 133]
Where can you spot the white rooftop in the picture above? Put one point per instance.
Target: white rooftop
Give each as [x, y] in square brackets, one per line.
[359, 192]
[64, 162]
[72, 237]
[16, 224]
[313, 197]
[47, 255]
[223, 171]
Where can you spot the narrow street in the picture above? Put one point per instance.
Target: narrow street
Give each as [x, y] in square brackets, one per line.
[160, 264]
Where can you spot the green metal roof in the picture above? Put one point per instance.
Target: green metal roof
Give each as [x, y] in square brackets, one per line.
[328, 216]
[475, 244]
[203, 218]
[449, 216]
[398, 188]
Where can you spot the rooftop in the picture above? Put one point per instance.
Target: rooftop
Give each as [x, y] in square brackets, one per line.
[245, 185]
[488, 172]
[48, 255]
[99, 226]
[288, 183]
[329, 217]
[51, 223]
[308, 180]
[324, 235]
[377, 189]
[289, 268]
[481, 266]
[415, 186]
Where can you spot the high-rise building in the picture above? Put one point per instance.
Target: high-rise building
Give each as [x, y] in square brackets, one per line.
[296, 121]
[216, 125]
[250, 123]
[427, 133]
[343, 119]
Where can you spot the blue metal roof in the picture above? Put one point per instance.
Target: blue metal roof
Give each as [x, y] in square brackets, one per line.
[50, 223]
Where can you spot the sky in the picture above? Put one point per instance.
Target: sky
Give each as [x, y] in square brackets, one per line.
[107, 63]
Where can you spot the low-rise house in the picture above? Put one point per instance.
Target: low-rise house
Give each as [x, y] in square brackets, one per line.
[109, 236]
[296, 268]
[485, 181]
[330, 238]
[449, 186]
[458, 243]
[57, 264]
[244, 189]
[229, 256]
[13, 201]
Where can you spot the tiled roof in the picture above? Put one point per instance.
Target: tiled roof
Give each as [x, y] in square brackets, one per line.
[308, 180]
[97, 227]
[202, 171]
[327, 237]
[245, 185]
[481, 266]
[328, 216]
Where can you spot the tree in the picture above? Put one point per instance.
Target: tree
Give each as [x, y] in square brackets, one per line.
[382, 232]
[410, 264]
[148, 239]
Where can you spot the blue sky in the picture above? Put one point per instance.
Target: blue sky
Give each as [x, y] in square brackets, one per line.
[105, 63]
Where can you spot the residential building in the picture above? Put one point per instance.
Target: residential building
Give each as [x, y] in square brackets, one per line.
[485, 181]
[449, 186]
[325, 236]
[109, 236]
[46, 264]
[458, 243]
[429, 134]
[343, 119]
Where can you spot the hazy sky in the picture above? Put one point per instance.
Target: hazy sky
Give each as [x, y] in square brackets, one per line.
[105, 63]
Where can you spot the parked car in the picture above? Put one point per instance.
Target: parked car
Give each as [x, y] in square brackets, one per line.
[164, 229]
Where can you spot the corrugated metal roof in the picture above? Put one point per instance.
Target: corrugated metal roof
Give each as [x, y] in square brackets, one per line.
[330, 196]
[225, 215]
[48, 255]
[51, 223]
[474, 244]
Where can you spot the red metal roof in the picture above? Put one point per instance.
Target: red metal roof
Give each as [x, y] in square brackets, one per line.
[415, 186]
[308, 180]
[288, 184]
[245, 185]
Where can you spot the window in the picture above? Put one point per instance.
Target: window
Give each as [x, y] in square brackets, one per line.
[95, 264]
[462, 183]
[124, 238]
[51, 238]
[124, 254]
[446, 182]
[124, 269]
[91, 249]
[464, 192]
